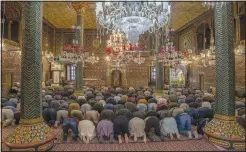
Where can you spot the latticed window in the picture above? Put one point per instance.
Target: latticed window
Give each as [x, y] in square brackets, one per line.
[70, 72]
[153, 74]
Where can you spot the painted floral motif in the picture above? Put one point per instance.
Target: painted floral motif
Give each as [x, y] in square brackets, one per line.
[227, 129]
[25, 134]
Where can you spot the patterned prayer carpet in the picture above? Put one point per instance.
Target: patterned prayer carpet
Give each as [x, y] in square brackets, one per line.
[190, 145]
[168, 145]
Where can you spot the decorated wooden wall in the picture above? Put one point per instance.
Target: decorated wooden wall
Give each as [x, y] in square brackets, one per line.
[136, 75]
[187, 35]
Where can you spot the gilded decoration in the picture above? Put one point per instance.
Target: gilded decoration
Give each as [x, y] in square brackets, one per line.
[227, 130]
[28, 134]
[80, 7]
[31, 121]
[59, 14]
[226, 118]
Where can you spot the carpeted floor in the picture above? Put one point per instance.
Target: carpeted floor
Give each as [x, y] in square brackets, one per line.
[191, 145]
[184, 145]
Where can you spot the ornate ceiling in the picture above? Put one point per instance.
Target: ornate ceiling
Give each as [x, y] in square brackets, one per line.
[184, 12]
[63, 15]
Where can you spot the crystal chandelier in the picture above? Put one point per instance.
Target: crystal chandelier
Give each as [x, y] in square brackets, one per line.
[168, 55]
[133, 18]
[121, 51]
[73, 53]
[92, 59]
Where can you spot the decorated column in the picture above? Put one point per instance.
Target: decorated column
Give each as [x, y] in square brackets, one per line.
[223, 130]
[79, 68]
[159, 67]
[80, 9]
[32, 134]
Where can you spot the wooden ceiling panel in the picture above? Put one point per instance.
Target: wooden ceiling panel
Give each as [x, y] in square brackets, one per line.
[184, 12]
[62, 14]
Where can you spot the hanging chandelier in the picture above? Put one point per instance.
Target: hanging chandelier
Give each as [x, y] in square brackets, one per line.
[92, 59]
[168, 55]
[73, 53]
[120, 50]
[133, 18]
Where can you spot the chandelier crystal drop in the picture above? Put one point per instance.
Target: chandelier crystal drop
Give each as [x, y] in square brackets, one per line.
[133, 18]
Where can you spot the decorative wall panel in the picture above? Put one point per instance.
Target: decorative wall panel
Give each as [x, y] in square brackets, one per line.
[11, 64]
[136, 75]
[186, 41]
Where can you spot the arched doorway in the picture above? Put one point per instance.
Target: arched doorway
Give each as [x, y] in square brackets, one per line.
[116, 78]
[181, 73]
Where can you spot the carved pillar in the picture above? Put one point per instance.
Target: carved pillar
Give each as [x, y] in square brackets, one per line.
[159, 67]
[223, 130]
[237, 32]
[32, 134]
[9, 29]
[80, 9]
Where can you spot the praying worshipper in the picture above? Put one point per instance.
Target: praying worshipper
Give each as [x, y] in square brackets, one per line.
[152, 128]
[131, 106]
[86, 130]
[55, 104]
[11, 102]
[107, 114]
[93, 116]
[137, 126]
[98, 107]
[77, 114]
[141, 106]
[84, 108]
[49, 115]
[119, 105]
[193, 113]
[61, 114]
[7, 117]
[125, 112]
[205, 111]
[70, 123]
[109, 106]
[121, 128]
[103, 102]
[152, 107]
[105, 131]
[111, 100]
[168, 125]
[73, 106]
[183, 121]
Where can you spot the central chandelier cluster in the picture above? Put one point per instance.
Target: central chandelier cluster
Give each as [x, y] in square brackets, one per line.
[121, 51]
[133, 18]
